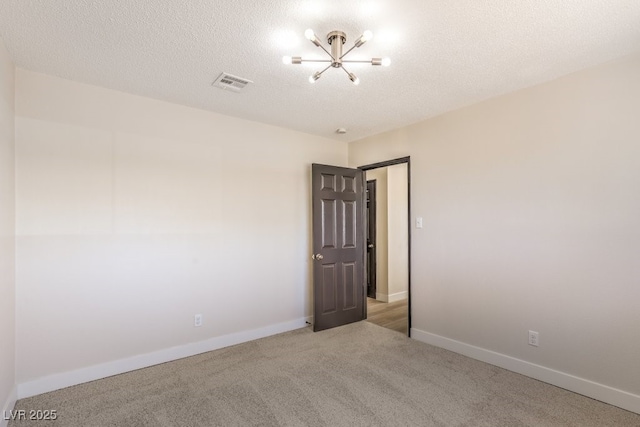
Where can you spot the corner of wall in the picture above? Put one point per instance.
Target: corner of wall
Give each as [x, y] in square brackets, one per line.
[96, 372]
[8, 389]
[8, 407]
[592, 389]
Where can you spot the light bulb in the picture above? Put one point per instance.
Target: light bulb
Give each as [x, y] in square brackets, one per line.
[286, 60]
[314, 77]
[365, 37]
[309, 34]
[386, 62]
[354, 79]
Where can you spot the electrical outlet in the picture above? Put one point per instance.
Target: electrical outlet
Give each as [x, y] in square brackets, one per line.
[197, 320]
[533, 338]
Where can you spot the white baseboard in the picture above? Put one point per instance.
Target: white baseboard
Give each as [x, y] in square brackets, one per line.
[96, 372]
[9, 404]
[604, 393]
[398, 296]
[392, 297]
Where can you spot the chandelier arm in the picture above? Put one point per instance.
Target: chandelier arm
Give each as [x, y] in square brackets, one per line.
[345, 70]
[345, 54]
[353, 61]
[316, 60]
[355, 80]
[328, 66]
[323, 48]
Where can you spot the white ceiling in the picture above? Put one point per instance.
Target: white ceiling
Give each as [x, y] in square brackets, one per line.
[445, 54]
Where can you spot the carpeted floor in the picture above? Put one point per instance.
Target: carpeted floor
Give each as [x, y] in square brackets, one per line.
[356, 375]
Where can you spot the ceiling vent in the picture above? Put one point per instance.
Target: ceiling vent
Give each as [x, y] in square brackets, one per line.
[230, 82]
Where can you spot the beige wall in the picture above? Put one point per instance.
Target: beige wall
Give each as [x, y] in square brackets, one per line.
[134, 214]
[382, 225]
[7, 233]
[531, 214]
[397, 214]
[391, 232]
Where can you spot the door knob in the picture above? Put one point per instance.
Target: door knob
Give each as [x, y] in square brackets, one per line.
[370, 245]
[318, 257]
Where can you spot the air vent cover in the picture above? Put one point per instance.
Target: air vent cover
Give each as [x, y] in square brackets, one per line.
[228, 81]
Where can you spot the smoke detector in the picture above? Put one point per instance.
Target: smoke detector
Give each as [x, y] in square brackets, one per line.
[341, 131]
[230, 82]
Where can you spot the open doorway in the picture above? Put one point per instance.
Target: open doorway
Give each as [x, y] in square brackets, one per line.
[388, 244]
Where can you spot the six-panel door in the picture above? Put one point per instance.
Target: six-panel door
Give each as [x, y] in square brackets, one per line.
[338, 244]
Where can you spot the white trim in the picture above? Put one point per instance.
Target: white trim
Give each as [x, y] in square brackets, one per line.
[96, 372]
[382, 297]
[392, 297]
[398, 296]
[604, 393]
[9, 404]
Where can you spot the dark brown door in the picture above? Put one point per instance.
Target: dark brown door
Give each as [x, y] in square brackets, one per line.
[338, 246]
[371, 238]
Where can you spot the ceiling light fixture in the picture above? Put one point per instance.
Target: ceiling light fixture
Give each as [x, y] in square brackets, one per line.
[336, 39]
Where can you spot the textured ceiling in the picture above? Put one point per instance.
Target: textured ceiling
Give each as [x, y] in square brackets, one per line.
[445, 54]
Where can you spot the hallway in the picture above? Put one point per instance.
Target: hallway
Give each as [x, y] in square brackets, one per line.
[392, 315]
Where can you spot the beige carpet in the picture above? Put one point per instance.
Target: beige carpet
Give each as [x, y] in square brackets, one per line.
[355, 375]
